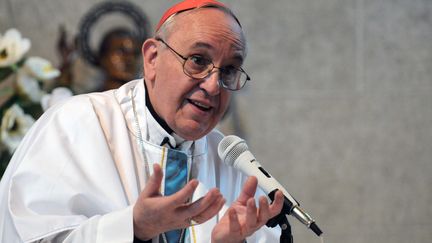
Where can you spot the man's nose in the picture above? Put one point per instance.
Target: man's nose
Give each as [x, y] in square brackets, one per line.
[211, 83]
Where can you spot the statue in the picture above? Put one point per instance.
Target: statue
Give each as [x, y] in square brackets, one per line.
[117, 54]
[119, 57]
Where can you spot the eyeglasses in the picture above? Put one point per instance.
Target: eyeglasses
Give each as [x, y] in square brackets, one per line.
[198, 67]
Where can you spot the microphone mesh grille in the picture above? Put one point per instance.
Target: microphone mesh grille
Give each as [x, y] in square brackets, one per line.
[230, 148]
[236, 151]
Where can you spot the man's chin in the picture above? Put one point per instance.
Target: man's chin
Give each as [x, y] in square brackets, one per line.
[193, 132]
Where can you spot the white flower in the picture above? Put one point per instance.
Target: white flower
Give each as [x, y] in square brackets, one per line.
[41, 68]
[28, 86]
[35, 69]
[12, 47]
[14, 125]
[57, 95]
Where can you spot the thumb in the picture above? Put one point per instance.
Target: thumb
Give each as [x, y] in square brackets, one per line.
[153, 185]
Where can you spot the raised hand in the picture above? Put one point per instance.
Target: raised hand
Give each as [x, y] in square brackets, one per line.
[243, 218]
[154, 214]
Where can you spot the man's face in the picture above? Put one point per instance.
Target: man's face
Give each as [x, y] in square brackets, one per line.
[192, 107]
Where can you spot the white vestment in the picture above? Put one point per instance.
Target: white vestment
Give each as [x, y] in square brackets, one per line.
[79, 170]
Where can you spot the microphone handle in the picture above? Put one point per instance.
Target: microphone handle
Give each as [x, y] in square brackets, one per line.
[247, 163]
[269, 185]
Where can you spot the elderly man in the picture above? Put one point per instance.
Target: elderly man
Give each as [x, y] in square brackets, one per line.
[139, 163]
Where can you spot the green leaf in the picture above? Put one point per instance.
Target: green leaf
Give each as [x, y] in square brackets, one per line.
[4, 73]
[3, 107]
[33, 109]
[5, 157]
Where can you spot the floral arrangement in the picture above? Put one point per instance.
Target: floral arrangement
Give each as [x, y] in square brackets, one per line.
[25, 84]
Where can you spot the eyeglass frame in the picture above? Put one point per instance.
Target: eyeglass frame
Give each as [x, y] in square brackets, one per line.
[210, 71]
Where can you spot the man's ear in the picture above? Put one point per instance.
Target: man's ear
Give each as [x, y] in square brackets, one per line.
[149, 53]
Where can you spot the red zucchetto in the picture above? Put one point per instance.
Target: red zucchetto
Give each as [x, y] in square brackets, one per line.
[187, 5]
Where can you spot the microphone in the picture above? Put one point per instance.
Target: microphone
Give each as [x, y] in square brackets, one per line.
[234, 152]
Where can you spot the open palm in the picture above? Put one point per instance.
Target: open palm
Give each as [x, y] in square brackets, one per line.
[243, 218]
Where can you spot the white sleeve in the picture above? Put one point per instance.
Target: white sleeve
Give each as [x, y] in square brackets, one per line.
[112, 227]
[63, 183]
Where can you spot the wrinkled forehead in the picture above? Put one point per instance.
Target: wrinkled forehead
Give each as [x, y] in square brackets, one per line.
[208, 23]
[192, 4]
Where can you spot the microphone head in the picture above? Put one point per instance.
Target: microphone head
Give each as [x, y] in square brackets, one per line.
[230, 148]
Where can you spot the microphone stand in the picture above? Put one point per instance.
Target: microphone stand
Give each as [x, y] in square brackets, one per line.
[282, 221]
[286, 235]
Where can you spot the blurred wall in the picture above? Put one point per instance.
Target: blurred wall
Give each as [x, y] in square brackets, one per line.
[339, 108]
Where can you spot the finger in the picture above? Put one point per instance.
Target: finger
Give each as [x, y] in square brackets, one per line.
[152, 188]
[183, 195]
[264, 210]
[210, 212]
[248, 190]
[203, 203]
[251, 214]
[276, 206]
